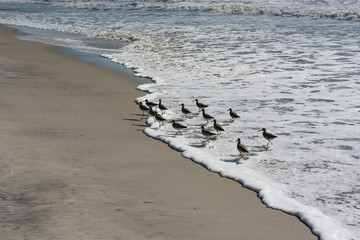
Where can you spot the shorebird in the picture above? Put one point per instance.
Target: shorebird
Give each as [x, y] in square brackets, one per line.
[152, 113]
[178, 126]
[200, 105]
[242, 149]
[143, 108]
[207, 133]
[150, 104]
[218, 127]
[268, 136]
[160, 119]
[184, 110]
[233, 114]
[162, 106]
[206, 116]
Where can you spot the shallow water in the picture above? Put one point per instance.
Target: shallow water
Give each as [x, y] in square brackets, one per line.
[296, 76]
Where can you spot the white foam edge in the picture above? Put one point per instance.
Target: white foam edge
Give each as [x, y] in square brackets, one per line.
[270, 194]
[138, 71]
[321, 225]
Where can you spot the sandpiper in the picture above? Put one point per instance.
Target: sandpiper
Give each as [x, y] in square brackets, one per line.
[268, 136]
[242, 149]
[150, 104]
[233, 114]
[184, 110]
[207, 133]
[152, 113]
[218, 127]
[160, 119]
[178, 126]
[162, 106]
[143, 108]
[206, 116]
[200, 105]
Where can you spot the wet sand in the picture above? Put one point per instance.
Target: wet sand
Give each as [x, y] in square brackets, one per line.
[75, 163]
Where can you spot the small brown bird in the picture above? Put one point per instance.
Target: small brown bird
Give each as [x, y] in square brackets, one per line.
[152, 113]
[218, 127]
[150, 104]
[178, 126]
[184, 110]
[160, 119]
[206, 116]
[200, 105]
[143, 108]
[207, 133]
[233, 114]
[162, 107]
[268, 136]
[241, 148]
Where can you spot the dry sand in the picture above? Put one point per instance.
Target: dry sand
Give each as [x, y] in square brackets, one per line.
[75, 164]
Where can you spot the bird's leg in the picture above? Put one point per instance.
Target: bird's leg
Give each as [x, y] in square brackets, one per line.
[209, 144]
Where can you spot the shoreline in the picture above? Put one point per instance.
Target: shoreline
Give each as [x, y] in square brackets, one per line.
[77, 165]
[88, 57]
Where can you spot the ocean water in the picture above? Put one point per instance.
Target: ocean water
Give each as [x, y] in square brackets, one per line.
[292, 67]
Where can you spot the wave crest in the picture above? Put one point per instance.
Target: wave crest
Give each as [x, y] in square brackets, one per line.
[253, 9]
[226, 7]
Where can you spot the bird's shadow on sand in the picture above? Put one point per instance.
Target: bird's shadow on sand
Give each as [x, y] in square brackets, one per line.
[137, 120]
[135, 125]
[131, 119]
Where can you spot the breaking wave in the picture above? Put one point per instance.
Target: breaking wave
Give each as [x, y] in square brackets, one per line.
[339, 11]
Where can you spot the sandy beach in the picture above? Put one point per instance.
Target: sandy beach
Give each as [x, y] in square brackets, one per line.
[75, 163]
